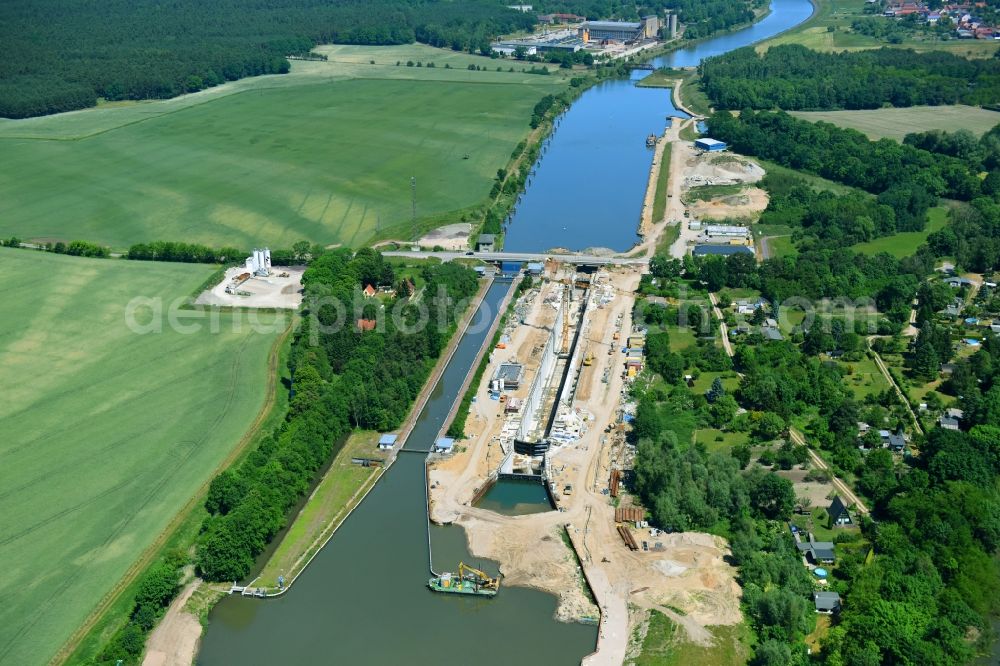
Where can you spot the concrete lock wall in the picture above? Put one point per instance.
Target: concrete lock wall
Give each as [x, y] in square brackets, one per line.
[533, 401]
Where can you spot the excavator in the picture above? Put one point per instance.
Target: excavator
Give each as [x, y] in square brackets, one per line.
[477, 577]
[469, 580]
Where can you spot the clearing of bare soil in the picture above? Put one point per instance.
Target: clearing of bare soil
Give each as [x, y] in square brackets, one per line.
[716, 169]
[450, 237]
[174, 641]
[748, 204]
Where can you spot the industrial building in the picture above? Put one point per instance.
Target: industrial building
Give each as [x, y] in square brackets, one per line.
[259, 263]
[509, 375]
[726, 231]
[486, 242]
[710, 145]
[620, 31]
[508, 49]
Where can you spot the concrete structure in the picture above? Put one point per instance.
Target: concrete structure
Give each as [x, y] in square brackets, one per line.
[387, 441]
[672, 26]
[485, 242]
[259, 262]
[620, 31]
[510, 374]
[536, 392]
[709, 145]
[520, 8]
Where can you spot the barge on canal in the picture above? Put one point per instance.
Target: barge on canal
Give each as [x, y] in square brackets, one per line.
[468, 580]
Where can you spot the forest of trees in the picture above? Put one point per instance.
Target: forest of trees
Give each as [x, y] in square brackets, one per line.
[792, 77]
[350, 379]
[839, 219]
[58, 56]
[903, 176]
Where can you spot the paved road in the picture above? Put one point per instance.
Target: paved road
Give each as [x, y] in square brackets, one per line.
[524, 256]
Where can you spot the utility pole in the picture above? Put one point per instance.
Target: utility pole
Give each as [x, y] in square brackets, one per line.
[413, 198]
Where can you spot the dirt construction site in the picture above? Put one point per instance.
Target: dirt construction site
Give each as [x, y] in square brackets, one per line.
[599, 560]
[239, 289]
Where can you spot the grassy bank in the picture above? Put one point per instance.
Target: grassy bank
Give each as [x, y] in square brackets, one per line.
[667, 644]
[114, 430]
[662, 181]
[690, 92]
[324, 153]
[340, 490]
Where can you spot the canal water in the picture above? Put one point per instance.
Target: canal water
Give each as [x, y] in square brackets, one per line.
[588, 187]
[516, 498]
[364, 598]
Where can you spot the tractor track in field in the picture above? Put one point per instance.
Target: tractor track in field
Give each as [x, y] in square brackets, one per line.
[153, 550]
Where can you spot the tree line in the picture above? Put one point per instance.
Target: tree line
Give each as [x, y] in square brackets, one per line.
[903, 174]
[59, 56]
[350, 379]
[793, 77]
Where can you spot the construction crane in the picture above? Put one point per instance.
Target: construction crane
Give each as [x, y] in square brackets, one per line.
[477, 576]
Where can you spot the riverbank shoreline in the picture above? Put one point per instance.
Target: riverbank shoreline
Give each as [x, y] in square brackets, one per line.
[330, 526]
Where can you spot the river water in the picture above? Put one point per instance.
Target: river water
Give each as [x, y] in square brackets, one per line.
[588, 186]
[364, 598]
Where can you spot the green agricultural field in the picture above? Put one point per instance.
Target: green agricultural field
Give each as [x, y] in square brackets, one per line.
[906, 243]
[325, 153]
[108, 432]
[897, 123]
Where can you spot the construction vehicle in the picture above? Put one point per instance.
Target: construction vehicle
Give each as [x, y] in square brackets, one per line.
[469, 580]
[588, 358]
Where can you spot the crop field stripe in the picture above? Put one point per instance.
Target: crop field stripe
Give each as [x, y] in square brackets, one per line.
[243, 170]
[113, 432]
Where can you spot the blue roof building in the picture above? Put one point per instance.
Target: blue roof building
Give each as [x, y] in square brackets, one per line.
[710, 145]
[387, 441]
